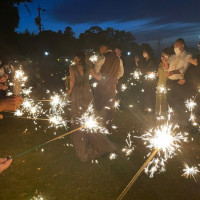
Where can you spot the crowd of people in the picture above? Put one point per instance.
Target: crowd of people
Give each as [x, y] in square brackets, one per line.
[175, 71]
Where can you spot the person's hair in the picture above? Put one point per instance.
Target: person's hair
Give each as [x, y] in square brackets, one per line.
[106, 44]
[82, 58]
[147, 48]
[168, 51]
[181, 40]
[118, 47]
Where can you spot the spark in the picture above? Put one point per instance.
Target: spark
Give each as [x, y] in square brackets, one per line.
[94, 85]
[93, 58]
[190, 171]
[150, 76]
[190, 104]
[137, 74]
[168, 140]
[91, 122]
[129, 148]
[112, 156]
[123, 87]
[161, 89]
[117, 105]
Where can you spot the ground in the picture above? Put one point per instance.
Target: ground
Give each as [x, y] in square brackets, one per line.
[56, 173]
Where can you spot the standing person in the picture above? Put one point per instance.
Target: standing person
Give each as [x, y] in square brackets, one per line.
[147, 67]
[88, 146]
[161, 98]
[178, 64]
[109, 66]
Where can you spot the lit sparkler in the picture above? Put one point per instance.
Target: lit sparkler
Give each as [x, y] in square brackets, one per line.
[168, 141]
[129, 148]
[161, 89]
[190, 104]
[150, 76]
[123, 87]
[190, 171]
[93, 58]
[91, 122]
[137, 74]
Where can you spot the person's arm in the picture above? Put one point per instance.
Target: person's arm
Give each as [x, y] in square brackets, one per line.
[72, 80]
[95, 75]
[5, 163]
[10, 103]
[99, 63]
[121, 69]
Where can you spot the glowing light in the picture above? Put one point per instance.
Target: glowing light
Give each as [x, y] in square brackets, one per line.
[93, 58]
[129, 148]
[137, 74]
[168, 141]
[190, 104]
[161, 89]
[91, 122]
[112, 156]
[123, 87]
[190, 171]
[150, 76]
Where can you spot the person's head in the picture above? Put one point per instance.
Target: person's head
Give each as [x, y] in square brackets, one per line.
[179, 46]
[166, 53]
[118, 51]
[147, 51]
[104, 48]
[79, 58]
[145, 54]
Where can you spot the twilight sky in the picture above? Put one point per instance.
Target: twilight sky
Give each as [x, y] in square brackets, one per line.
[148, 20]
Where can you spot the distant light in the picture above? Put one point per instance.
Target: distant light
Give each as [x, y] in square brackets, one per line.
[58, 60]
[66, 60]
[128, 53]
[46, 53]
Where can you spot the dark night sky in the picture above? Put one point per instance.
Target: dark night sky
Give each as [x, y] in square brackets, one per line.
[148, 20]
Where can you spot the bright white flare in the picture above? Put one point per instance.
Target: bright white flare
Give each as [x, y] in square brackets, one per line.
[168, 141]
[190, 104]
[91, 122]
[190, 171]
[124, 87]
[137, 74]
[93, 58]
[161, 89]
[150, 76]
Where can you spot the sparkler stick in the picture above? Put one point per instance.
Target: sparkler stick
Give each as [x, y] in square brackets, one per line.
[43, 100]
[42, 119]
[137, 174]
[54, 139]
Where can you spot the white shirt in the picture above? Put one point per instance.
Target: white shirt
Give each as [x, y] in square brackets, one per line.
[100, 62]
[179, 62]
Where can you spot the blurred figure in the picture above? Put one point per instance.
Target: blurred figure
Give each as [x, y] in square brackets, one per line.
[147, 67]
[5, 163]
[88, 146]
[178, 64]
[111, 68]
[161, 98]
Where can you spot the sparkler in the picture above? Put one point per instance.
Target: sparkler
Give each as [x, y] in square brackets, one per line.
[161, 89]
[90, 121]
[93, 58]
[164, 140]
[117, 104]
[113, 156]
[190, 171]
[123, 87]
[129, 148]
[137, 74]
[190, 104]
[150, 76]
